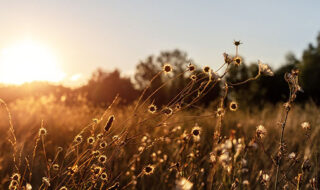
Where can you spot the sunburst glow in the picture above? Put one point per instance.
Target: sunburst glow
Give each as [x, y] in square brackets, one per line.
[28, 61]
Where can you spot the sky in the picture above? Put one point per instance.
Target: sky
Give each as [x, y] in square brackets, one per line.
[84, 35]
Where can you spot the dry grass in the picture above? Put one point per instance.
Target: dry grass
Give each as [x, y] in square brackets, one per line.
[50, 145]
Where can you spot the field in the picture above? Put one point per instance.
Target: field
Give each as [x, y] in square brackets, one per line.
[48, 144]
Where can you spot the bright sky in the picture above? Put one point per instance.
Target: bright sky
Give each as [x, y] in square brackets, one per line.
[84, 35]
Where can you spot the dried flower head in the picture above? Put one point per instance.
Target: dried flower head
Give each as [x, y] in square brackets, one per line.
[292, 155]
[148, 170]
[261, 131]
[168, 111]
[78, 139]
[167, 68]
[265, 69]
[95, 153]
[16, 176]
[46, 181]
[104, 176]
[193, 77]
[42, 131]
[102, 159]
[206, 69]
[100, 136]
[90, 140]
[14, 183]
[191, 67]
[237, 60]
[227, 58]
[233, 106]
[103, 144]
[55, 167]
[305, 125]
[237, 43]
[109, 123]
[220, 112]
[183, 184]
[196, 130]
[152, 108]
[96, 170]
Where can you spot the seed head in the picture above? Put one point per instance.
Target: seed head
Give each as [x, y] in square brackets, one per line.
[168, 111]
[109, 123]
[265, 69]
[237, 60]
[42, 132]
[152, 108]
[46, 181]
[193, 77]
[90, 140]
[305, 125]
[104, 176]
[55, 167]
[227, 59]
[103, 144]
[78, 139]
[196, 130]
[233, 106]
[102, 159]
[220, 112]
[237, 43]
[261, 131]
[191, 67]
[16, 176]
[167, 68]
[148, 170]
[206, 69]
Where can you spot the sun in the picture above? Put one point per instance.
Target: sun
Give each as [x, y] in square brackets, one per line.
[28, 61]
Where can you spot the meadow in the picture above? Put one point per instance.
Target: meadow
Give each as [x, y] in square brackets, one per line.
[48, 144]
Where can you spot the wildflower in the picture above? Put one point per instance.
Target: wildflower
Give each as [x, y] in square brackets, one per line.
[55, 167]
[220, 112]
[104, 176]
[63, 188]
[193, 77]
[148, 170]
[206, 69]
[78, 139]
[16, 176]
[167, 68]
[292, 155]
[103, 144]
[305, 125]
[102, 159]
[183, 184]
[233, 106]
[261, 131]
[42, 131]
[191, 67]
[109, 123]
[152, 108]
[46, 181]
[227, 59]
[168, 111]
[237, 60]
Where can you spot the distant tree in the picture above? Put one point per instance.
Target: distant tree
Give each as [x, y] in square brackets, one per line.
[310, 71]
[103, 86]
